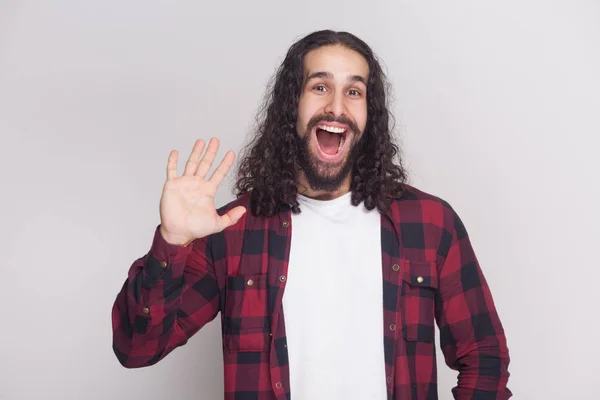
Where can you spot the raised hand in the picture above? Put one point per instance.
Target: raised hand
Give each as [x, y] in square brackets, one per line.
[187, 204]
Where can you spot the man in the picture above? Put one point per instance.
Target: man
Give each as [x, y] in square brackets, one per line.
[329, 270]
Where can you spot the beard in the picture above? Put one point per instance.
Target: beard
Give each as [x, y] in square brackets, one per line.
[324, 176]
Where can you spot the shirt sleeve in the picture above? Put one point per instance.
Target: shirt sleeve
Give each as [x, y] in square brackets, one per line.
[169, 294]
[472, 337]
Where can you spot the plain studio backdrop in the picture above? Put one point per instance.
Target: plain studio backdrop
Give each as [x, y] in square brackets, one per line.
[497, 107]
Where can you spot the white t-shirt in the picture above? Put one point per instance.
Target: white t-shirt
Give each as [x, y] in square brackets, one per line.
[333, 302]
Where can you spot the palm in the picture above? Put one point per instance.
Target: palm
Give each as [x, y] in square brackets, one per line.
[187, 206]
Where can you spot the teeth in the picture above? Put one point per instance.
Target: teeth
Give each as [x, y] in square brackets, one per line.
[341, 144]
[332, 129]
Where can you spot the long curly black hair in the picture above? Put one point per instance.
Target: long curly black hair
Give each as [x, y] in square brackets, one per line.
[269, 162]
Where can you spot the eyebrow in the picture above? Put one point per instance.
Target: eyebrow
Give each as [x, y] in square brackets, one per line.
[329, 75]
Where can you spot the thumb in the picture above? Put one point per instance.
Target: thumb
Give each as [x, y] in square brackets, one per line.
[231, 217]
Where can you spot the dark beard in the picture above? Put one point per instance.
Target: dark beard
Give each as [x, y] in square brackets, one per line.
[321, 176]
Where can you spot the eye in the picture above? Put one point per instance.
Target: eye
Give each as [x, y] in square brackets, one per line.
[320, 88]
[354, 92]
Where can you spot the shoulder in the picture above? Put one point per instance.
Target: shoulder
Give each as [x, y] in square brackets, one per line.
[416, 197]
[419, 206]
[429, 218]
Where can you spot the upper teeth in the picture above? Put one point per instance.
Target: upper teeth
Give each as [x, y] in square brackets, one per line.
[332, 129]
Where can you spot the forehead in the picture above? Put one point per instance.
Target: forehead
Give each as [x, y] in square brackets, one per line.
[339, 61]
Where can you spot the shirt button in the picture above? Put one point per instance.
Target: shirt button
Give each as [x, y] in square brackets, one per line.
[163, 264]
[420, 279]
[146, 310]
[389, 379]
[286, 224]
[282, 278]
[396, 267]
[392, 327]
[278, 385]
[250, 282]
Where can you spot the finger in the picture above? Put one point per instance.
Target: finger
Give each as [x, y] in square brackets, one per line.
[231, 217]
[223, 168]
[208, 158]
[172, 165]
[192, 163]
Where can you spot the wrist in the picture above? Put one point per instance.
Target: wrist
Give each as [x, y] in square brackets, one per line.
[176, 240]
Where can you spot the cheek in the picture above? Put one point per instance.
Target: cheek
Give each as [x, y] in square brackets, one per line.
[359, 113]
[304, 115]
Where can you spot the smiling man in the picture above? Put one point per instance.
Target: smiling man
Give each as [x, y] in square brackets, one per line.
[329, 270]
[332, 114]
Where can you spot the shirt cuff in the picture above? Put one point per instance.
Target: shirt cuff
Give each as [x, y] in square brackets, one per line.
[168, 254]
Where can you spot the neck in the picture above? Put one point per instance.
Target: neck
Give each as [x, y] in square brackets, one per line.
[305, 189]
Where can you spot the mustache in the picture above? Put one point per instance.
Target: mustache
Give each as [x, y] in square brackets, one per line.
[315, 120]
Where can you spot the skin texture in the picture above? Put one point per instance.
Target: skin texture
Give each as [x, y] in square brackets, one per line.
[334, 89]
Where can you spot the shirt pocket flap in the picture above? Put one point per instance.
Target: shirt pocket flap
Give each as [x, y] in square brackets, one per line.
[419, 273]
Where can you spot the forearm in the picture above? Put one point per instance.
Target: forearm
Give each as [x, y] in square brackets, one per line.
[471, 333]
[143, 311]
[483, 370]
[156, 311]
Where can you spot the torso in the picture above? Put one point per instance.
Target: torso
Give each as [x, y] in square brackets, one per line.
[333, 302]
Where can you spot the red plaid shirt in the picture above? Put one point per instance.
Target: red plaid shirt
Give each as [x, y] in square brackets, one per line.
[430, 274]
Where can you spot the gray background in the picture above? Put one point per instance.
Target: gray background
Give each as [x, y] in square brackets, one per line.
[497, 107]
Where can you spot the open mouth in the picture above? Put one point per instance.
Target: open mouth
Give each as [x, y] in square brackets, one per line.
[331, 139]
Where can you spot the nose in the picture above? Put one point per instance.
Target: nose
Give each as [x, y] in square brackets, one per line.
[335, 106]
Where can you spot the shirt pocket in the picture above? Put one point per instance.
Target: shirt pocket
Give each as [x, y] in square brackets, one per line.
[246, 324]
[420, 283]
